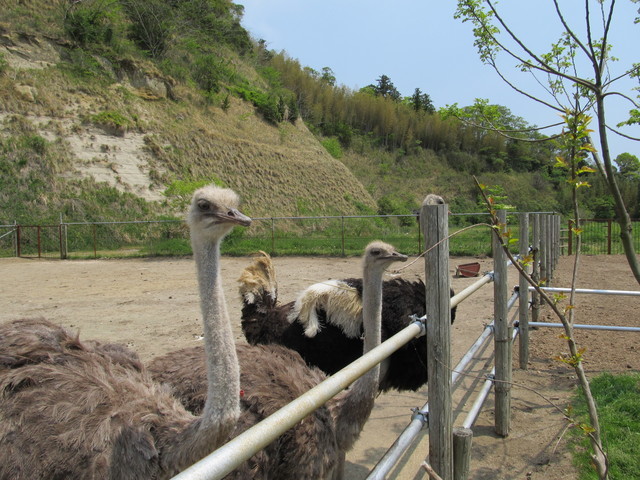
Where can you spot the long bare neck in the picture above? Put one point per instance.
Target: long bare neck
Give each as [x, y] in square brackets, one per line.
[223, 373]
[352, 409]
[222, 407]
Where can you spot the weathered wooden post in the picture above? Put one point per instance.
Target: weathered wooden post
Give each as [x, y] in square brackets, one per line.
[542, 249]
[523, 294]
[549, 240]
[435, 228]
[558, 246]
[502, 335]
[535, 273]
[462, 439]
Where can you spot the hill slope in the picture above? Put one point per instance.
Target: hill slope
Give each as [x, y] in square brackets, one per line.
[137, 131]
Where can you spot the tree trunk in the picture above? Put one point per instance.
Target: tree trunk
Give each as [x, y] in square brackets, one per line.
[622, 216]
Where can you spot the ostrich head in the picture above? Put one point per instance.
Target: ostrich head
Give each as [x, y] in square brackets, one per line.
[379, 255]
[213, 213]
[433, 199]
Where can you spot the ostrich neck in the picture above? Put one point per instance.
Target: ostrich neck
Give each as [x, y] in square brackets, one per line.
[353, 408]
[223, 373]
[222, 407]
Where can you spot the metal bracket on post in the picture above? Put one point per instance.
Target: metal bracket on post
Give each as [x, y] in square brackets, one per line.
[421, 322]
[421, 415]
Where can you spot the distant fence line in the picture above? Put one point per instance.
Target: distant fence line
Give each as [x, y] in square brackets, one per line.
[312, 235]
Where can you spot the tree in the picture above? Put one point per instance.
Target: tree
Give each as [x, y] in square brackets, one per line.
[328, 77]
[628, 165]
[579, 73]
[386, 89]
[421, 102]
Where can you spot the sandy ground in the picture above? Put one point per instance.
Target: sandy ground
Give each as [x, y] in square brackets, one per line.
[152, 306]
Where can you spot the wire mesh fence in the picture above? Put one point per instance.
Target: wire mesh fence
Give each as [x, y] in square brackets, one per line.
[321, 235]
[600, 236]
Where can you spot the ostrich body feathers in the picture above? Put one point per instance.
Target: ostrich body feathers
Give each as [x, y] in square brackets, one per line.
[66, 403]
[327, 333]
[270, 377]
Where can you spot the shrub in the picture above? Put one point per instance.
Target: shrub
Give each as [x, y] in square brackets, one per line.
[113, 121]
[332, 145]
[211, 71]
[4, 65]
[89, 23]
[151, 25]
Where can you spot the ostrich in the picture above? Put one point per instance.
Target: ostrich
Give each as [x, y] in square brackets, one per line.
[86, 410]
[291, 455]
[324, 324]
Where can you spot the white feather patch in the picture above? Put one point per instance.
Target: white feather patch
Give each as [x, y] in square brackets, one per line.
[340, 301]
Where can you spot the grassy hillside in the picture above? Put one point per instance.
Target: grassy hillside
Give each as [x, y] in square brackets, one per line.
[106, 115]
[48, 96]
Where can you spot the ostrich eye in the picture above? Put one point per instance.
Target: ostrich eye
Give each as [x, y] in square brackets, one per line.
[204, 206]
[375, 252]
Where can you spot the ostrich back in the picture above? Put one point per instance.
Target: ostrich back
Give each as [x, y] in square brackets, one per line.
[265, 322]
[270, 377]
[69, 411]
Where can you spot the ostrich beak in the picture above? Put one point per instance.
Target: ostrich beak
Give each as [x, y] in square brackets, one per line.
[233, 216]
[396, 257]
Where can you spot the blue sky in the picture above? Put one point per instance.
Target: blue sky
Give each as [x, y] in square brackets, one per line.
[418, 44]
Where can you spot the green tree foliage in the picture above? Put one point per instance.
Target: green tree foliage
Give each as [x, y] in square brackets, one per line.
[391, 124]
[151, 24]
[420, 102]
[88, 23]
[385, 88]
[628, 165]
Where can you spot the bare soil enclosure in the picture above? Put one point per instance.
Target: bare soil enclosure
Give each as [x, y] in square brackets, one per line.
[152, 306]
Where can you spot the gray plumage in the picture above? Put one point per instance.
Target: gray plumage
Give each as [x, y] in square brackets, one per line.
[304, 446]
[88, 410]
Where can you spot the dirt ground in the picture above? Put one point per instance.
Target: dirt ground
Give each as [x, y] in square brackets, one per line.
[152, 306]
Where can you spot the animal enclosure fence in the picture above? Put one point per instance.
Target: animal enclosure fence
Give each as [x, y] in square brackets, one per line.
[326, 235]
[437, 413]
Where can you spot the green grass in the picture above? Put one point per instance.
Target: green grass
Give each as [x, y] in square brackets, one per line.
[334, 236]
[618, 401]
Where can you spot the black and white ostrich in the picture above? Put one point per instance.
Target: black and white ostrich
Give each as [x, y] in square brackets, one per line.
[324, 324]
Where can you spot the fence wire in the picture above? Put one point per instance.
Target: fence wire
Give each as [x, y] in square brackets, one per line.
[332, 236]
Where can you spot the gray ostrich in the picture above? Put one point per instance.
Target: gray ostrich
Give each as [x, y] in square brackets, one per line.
[80, 410]
[291, 455]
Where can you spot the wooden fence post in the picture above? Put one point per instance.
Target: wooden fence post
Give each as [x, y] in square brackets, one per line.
[523, 294]
[435, 224]
[542, 248]
[462, 439]
[551, 238]
[535, 273]
[502, 335]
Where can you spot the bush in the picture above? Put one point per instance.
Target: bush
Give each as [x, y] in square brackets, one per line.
[89, 23]
[603, 207]
[211, 71]
[4, 65]
[151, 25]
[332, 145]
[112, 120]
